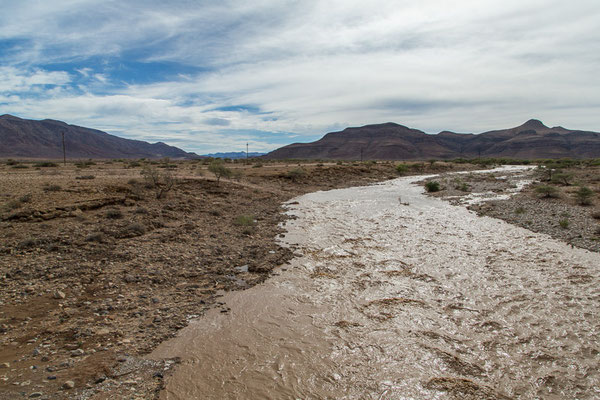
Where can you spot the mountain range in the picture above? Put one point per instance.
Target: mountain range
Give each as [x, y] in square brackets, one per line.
[23, 138]
[390, 141]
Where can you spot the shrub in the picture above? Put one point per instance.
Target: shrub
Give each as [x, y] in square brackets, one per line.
[160, 181]
[13, 204]
[237, 175]
[95, 237]
[584, 196]
[401, 169]
[132, 230]
[463, 187]
[114, 214]
[20, 166]
[84, 164]
[295, 174]
[257, 165]
[218, 168]
[432, 186]
[547, 191]
[596, 215]
[244, 220]
[562, 177]
[45, 164]
[564, 223]
[52, 188]
[26, 198]
[86, 177]
[520, 210]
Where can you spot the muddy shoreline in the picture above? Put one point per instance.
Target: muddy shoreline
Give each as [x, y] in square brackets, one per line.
[514, 198]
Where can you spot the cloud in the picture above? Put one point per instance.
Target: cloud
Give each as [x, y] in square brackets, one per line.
[208, 74]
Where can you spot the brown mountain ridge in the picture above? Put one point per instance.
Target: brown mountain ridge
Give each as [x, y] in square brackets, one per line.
[390, 141]
[23, 138]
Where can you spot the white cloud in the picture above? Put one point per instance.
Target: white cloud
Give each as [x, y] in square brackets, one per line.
[311, 65]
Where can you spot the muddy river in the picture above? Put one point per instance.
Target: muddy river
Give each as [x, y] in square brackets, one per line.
[397, 295]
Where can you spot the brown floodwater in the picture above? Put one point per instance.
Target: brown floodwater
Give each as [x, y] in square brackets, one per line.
[396, 295]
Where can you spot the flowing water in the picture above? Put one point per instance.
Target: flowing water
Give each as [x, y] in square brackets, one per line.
[401, 299]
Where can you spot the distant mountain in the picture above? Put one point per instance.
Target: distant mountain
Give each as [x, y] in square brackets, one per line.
[234, 155]
[391, 141]
[23, 138]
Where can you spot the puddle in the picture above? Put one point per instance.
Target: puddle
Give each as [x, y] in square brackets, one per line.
[407, 299]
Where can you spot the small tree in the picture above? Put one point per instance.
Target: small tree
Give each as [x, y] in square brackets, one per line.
[160, 182]
[218, 168]
[584, 195]
[547, 191]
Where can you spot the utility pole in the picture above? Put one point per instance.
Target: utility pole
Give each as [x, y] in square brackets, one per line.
[246, 153]
[64, 151]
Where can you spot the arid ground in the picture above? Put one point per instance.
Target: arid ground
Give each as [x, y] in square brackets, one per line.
[96, 271]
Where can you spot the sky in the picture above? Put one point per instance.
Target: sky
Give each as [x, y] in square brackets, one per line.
[210, 76]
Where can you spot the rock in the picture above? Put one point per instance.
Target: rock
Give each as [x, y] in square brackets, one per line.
[59, 295]
[35, 395]
[77, 353]
[51, 377]
[68, 385]
[5, 365]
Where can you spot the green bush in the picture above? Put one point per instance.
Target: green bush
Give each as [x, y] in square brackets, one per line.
[584, 195]
[432, 186]
[218, 168]
[547, 191]
[402, 169]
[564, 223]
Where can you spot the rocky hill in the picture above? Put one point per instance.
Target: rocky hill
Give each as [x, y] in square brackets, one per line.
[23, 138]
[391, 141]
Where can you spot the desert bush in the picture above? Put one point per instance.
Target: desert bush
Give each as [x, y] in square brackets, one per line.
[401, 169]
[432, 186]
[564, 178]
[13, 204]
[160, 181]
[596, 215]
[95, 237]
[132, 230]
[52, 188]
[133, 182]
[84, 164]
[26, 198]
[10, 161]
[547, 191]
[237, 175]
[520, 210]
[295, 174]
[564, 223]
[141, 210]
[20, 166]
[45, 164]
[244, 220]
[85, 177]
[584, 195]
[113, 214]
[218, 168]
[133, 164]
[257, 165]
